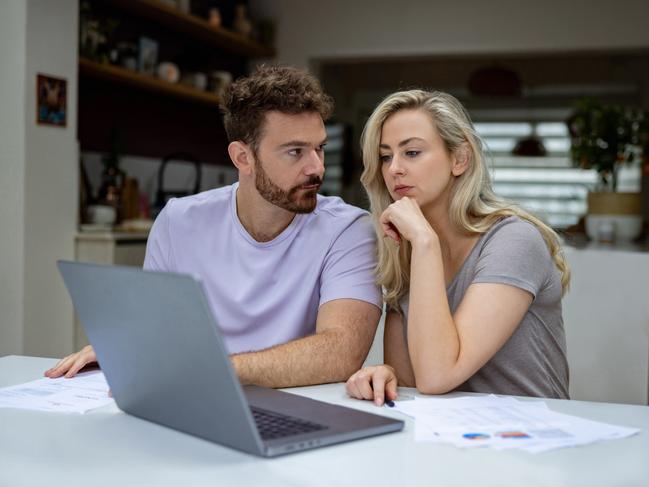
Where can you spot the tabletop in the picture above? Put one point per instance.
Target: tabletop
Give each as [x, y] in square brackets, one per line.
[107, 447]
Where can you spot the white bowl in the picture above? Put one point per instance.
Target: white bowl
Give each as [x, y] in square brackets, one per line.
[102, 214]
[609, 228]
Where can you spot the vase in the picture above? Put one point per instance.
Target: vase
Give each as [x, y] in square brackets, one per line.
[614, 216]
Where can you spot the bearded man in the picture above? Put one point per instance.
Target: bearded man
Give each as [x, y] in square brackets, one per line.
[289, 274]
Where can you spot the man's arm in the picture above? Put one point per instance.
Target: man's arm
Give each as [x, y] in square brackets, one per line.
[345, 329]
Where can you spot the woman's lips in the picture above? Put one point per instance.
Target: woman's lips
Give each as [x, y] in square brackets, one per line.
[402, 189]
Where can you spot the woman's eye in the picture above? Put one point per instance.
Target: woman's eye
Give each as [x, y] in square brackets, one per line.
[413, 153]
[385, 158]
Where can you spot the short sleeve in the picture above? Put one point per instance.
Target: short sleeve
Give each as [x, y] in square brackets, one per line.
[349, 267]
[515, 254]
[158, 245]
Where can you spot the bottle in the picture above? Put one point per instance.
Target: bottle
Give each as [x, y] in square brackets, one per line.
[241, 23]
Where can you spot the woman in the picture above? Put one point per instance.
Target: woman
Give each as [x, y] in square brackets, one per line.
[473, 284]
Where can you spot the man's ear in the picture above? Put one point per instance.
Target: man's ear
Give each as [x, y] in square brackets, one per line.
[461, 159]
[241, 156]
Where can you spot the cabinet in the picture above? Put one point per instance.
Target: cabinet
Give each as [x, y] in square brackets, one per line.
[606, 317]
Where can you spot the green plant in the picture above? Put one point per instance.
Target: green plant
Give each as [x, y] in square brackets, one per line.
[606, 136]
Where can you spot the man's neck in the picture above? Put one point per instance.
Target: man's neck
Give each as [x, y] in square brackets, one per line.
[261, 219]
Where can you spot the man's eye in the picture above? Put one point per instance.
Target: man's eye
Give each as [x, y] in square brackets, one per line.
[321, 148]
[385, 158]
[295, 152]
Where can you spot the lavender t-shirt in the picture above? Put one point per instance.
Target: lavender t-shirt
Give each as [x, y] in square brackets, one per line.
[266, 293]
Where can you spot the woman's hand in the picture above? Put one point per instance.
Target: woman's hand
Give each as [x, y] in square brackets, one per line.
[378, 383]
[72, 364]
[403, 219]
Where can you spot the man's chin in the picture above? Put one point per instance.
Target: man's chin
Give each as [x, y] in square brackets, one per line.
[306, 204]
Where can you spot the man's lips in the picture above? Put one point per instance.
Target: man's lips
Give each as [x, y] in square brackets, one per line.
[310, 186]
[402, 189]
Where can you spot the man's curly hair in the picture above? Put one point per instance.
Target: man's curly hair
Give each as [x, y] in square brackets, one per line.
[270, 88]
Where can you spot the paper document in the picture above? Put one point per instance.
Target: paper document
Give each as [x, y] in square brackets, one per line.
[503, 423]
[79, 394]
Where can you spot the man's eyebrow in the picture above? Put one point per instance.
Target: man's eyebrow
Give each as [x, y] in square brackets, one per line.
[402, 143]
[299, 143]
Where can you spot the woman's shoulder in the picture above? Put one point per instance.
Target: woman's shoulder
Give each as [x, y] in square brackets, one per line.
[513, 226]
[517, 235]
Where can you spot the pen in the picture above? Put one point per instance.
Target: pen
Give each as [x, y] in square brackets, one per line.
[389, 402]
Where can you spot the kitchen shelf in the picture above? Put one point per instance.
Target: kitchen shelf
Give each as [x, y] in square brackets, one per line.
[124, 76]
[193, 26]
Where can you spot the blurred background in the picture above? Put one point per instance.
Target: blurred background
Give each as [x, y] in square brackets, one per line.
[111, 107]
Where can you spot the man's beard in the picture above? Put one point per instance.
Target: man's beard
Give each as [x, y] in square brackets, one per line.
[295, 200]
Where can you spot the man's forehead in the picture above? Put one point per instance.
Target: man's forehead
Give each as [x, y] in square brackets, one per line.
[281, 128]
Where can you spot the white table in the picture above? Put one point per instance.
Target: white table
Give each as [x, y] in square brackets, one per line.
[109, 448]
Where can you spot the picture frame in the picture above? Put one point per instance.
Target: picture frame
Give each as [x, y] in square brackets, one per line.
[51, 100]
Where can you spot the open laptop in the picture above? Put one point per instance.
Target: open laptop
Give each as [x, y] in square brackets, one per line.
[164, 359]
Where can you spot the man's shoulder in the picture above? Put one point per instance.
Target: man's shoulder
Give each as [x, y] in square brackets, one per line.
[334, 218]
[335, 209]
[205, 202]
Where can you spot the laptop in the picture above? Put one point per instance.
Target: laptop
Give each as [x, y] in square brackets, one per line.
[164, 359]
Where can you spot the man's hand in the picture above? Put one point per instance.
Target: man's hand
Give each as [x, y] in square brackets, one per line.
[72, 364]
[378, 383]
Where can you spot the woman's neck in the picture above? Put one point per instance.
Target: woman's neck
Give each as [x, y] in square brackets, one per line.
[455, 243]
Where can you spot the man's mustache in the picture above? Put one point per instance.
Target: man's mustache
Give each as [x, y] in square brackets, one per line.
[313, 180]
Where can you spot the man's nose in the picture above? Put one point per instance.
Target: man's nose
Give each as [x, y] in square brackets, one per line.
[316, 163]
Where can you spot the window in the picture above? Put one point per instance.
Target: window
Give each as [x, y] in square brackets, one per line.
[548, 186]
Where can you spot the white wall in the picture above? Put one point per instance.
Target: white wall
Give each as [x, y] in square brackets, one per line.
[12, 174]
[341, 28]
[39, 177]
[51, 176]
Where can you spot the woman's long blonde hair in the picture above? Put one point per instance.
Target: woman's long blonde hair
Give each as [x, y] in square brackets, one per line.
[474, 206]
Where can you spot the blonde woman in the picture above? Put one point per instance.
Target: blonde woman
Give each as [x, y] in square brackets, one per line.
[472, 283]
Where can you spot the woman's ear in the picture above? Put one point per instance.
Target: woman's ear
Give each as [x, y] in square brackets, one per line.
[241, 156]
[461, 159]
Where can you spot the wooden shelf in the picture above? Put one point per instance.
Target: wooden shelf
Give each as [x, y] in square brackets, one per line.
[124, 76]
[193, 26]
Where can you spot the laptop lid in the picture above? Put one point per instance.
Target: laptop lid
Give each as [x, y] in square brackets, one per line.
[163, 356]
[182, 376]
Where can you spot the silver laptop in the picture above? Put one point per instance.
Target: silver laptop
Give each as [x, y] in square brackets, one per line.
[164, 359]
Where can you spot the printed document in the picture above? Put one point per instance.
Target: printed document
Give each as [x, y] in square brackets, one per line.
[503, 423]
[79, 394]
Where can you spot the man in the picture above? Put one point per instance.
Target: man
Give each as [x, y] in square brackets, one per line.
[289, 274]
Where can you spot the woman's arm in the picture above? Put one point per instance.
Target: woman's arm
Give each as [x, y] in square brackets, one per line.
[445, 349]
[379, 382]
[395, 351]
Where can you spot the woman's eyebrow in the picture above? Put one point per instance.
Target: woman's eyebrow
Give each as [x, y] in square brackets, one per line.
[402, 143]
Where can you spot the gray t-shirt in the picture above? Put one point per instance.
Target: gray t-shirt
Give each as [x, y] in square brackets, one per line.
[533, 361]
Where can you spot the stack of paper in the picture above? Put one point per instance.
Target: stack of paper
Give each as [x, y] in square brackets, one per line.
[80, 394]
[503, 423]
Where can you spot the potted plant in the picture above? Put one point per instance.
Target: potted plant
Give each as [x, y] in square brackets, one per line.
[604, 138]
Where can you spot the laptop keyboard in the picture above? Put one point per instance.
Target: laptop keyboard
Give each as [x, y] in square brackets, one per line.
[272, 425]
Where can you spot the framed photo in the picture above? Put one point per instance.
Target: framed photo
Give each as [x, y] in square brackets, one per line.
[148, 56]
[51, 100]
